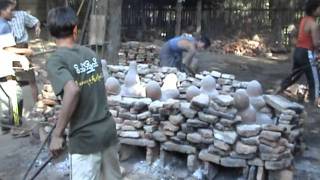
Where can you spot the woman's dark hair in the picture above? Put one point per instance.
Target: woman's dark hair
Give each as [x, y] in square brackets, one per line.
[4, 4]
[205, 40]
[311, 6]
[61, 22]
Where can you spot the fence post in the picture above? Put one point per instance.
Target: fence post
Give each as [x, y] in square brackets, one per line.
[199, 16]
[178, 16]
[114, 31]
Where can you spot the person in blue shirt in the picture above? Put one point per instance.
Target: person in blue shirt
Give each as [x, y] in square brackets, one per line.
[6, 8]
[5, 15]
[20, 22]
[171, 54]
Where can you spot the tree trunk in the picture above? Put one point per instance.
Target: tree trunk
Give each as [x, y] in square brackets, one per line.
[178, 17]
[276, 20]
[114, 31]
[143, 20]
[199, 16]
[97, 24]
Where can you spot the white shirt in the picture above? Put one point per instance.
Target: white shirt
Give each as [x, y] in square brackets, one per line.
[6, 61]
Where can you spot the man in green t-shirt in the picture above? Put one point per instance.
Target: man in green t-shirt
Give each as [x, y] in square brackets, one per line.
[76, 74]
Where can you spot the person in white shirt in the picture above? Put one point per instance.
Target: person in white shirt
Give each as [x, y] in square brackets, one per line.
[10, 92]
[19, 22]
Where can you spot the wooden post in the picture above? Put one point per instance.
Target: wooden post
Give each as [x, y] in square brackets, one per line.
[114, 31]
[101, 7]
[84, 26]
[178, 17]
[97, 24]
[276, 20]
[199, 16]
[143, 18]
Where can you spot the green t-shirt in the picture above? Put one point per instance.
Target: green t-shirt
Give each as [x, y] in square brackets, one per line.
[92, 127]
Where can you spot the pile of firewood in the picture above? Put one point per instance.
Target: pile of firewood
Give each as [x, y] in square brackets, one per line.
[241, 47]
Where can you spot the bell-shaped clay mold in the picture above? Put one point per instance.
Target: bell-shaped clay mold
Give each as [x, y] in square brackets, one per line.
[169, 88]
[192, 91]
[208, 86]
[153, 90]
[112, 86]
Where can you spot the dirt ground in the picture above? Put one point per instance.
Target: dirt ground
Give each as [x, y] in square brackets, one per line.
[16, 154]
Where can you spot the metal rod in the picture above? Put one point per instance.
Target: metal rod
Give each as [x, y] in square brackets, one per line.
[80, 8]
[36, 157]
[43, 52]
[41, 168]
[20, 68]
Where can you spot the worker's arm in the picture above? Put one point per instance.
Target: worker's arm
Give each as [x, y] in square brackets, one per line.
[69, 103]
[32, 22]
[21, 51]
[191, 51]
[315, 35]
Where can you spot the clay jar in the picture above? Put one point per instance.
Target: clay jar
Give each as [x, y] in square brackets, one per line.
[208, 86]
[169, 88]
[153, 90]
[245, 109]
[132, 86]
[192, 91]
[241, 100]
[254, 90]
[112, 86]
[132, 77]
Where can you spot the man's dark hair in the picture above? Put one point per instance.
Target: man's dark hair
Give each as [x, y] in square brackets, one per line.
[205, 40]
[311, 6]
[4, 4]
[61, 22]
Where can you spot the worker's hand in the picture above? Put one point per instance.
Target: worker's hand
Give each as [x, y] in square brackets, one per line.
[28, 52]
[56, 145]
[37, 30]
[54, 118]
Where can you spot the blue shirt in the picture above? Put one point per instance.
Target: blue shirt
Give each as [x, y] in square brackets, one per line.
[19, 22]
[4, 27]
[173, 43]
